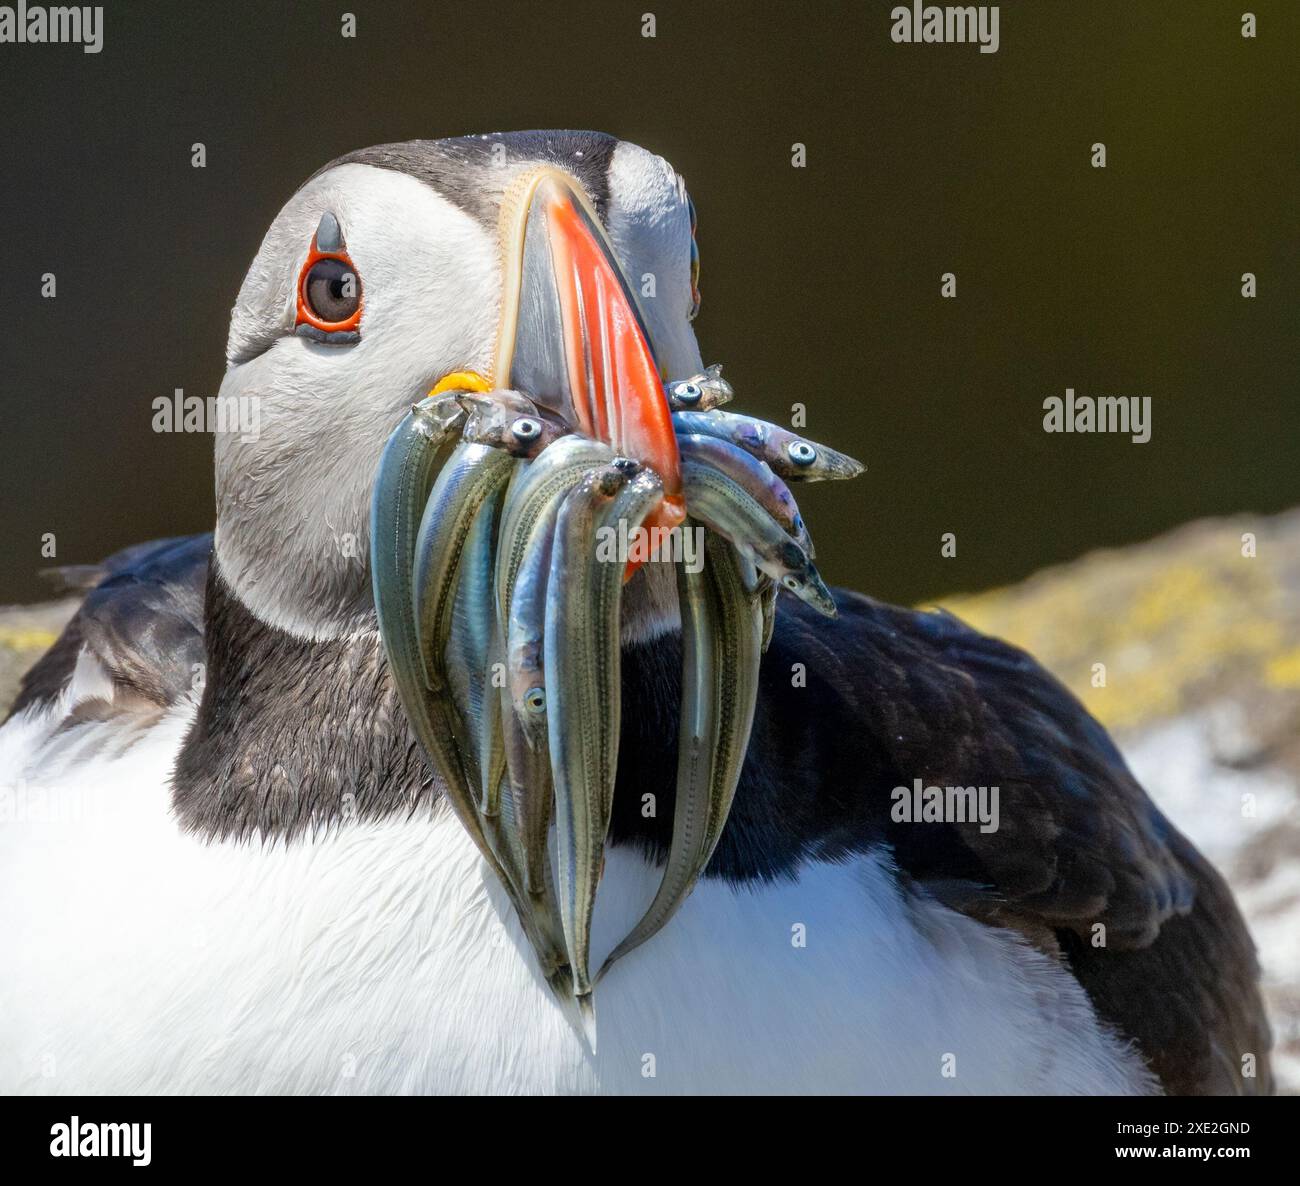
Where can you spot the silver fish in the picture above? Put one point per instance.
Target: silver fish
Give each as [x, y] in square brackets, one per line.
[524, 699]
[470, 479]
[550, 476]
[582, 657]
[527, 525]
[406, 476]
[756, 476]
[454, 548]
[792, 457]
[472, 475]
[529, 798]
[473, 648]
[723, 504]
[721, 648]
[510, 421]
[739, 638]
[407, 471]
[700, 392]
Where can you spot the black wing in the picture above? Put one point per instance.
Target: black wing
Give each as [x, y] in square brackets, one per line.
[142, 621]
[852, 708]
[1083, 844]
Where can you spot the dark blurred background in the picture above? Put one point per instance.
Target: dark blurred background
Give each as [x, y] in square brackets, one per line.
[820, 284]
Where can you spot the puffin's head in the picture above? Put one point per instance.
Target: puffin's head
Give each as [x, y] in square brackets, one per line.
[398, 269]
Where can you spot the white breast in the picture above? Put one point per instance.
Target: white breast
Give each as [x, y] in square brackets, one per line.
[378, 959]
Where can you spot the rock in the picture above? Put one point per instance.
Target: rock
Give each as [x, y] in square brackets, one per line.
[1180, 624]
[26, 632]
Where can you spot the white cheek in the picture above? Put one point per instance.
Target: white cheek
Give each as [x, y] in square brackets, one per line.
[290, 496]
[435, 311]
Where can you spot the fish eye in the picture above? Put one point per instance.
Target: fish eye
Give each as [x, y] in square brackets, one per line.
[331, 294]
[801, 452]
[526, 429]
[688, 393]
[535, 700]
[791, 583]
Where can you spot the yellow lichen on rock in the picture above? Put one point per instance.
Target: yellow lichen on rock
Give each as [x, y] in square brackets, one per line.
[26, 633]
[1173, 623]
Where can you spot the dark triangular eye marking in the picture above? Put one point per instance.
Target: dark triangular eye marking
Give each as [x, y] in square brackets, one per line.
[329, 236]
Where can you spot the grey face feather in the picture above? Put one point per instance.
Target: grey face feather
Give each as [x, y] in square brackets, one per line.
[462, 168]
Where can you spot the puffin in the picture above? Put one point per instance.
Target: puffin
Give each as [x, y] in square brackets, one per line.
[230, 869]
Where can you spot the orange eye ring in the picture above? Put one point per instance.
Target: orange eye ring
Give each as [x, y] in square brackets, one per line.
[306, 315]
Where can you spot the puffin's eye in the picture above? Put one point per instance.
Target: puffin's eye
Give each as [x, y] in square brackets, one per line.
[801, 452]
[331, 291]
[535, 700]
[526, 429]
[688, 393]
[791, 583]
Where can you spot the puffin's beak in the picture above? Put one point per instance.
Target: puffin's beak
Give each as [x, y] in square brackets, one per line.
[571, 334]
